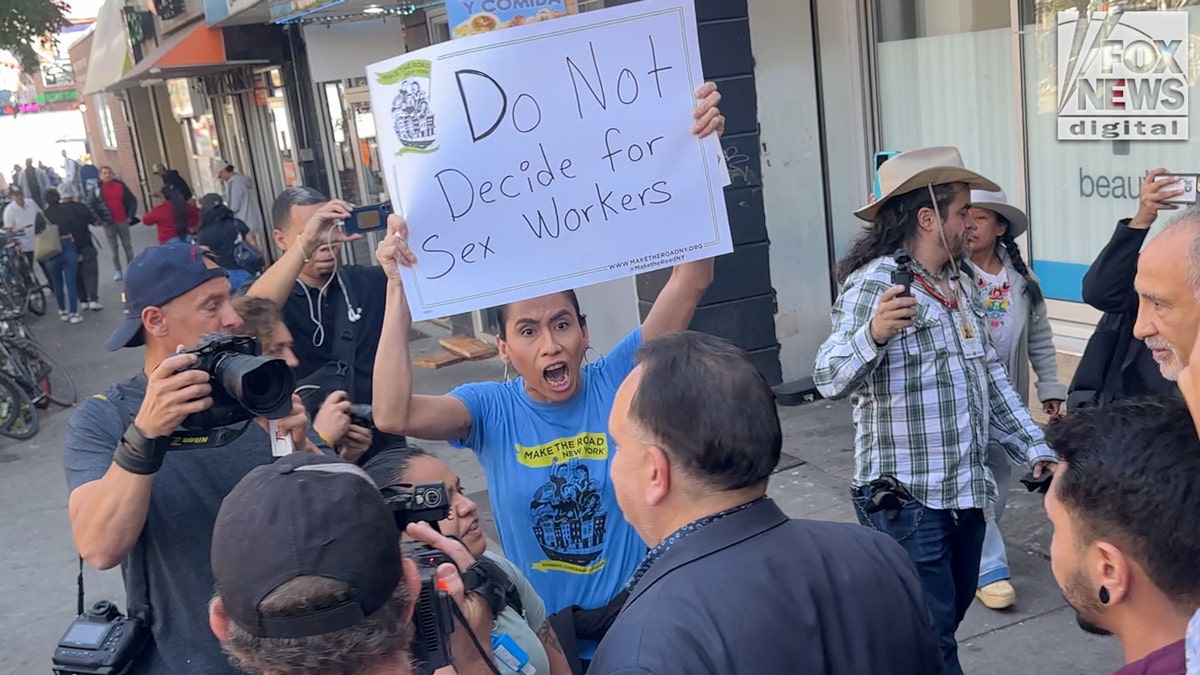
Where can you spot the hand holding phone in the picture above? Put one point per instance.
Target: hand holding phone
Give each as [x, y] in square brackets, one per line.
[1187, 183]
[368, 218]
[903, 274]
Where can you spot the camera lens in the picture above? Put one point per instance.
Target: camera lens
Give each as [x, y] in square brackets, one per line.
[431, 497]
[259, 384]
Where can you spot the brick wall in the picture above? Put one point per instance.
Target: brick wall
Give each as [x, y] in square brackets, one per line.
[121, 157]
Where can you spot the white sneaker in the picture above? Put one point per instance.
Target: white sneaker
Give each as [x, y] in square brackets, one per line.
[75, 318]
[62, 315]
[96, 306]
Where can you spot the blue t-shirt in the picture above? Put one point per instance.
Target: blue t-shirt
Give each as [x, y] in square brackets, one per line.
[547, 472]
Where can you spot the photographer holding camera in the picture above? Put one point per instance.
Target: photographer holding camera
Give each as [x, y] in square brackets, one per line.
[522, 636]
[310, 578]
[347, 428]
[335, 311]
[134, 503]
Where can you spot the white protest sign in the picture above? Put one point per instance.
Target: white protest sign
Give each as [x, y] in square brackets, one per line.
[550, 156]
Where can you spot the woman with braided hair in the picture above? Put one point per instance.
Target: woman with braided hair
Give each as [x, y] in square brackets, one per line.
[1020, 333]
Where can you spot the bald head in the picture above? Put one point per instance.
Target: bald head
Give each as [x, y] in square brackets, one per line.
[1168, 287]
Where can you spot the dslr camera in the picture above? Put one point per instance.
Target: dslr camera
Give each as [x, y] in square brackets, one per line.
[433, 618]
[100, 642]
[245, 384]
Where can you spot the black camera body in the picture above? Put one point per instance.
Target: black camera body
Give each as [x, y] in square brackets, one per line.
[100, 642]
[360, 415]
[433, 619]
[245, 384]
[903, 274]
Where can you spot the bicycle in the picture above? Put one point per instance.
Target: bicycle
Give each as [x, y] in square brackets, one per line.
[18, 412]
[21, 291]
[37, 372]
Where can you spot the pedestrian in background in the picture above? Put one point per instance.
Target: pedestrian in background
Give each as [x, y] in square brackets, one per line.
[122, 209]
[241, 198]
[63, 267]
[1020, 330]
[75, 217]
[20, 216]
[34, 182]
[220, 232]
[171, 177]
[175, 218]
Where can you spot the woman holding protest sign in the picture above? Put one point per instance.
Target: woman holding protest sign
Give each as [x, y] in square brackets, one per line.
[542, 437]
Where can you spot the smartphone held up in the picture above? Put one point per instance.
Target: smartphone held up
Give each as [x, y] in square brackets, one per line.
[1187, 183]
[370, 218]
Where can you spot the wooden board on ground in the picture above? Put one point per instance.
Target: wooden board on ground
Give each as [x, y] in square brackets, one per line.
[438, 359]
[468, 347]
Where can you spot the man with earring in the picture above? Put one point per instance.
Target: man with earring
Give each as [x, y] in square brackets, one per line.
[1124, 508]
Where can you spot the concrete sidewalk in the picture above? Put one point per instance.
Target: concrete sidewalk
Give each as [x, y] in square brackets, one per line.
[39, 563]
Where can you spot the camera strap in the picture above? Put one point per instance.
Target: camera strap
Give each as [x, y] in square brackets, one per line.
[183, 439]
[79, 582]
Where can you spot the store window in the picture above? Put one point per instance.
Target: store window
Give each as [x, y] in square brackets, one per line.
[945, 77]
[108, 132]
[1079, 189]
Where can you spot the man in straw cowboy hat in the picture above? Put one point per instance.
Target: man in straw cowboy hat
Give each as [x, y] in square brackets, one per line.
[929, 392]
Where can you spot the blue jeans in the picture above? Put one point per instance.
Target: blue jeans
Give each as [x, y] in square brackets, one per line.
[944, 545]
[993, 566]
[62, 270]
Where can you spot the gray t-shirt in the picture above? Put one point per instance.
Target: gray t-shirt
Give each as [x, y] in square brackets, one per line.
[522, 629]
[171, 557]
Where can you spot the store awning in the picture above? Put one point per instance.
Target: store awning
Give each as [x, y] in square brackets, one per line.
[189, 52]
[110, 57]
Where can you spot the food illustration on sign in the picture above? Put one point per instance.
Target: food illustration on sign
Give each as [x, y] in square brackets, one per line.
[412, 114]
[487, 21]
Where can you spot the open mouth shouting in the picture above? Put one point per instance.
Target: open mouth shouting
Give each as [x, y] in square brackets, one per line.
[558, 376]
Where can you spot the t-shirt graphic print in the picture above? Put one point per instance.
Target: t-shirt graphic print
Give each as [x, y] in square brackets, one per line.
[547, 468]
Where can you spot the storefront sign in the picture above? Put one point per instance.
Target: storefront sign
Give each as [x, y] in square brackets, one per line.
[471, 17]
[1123, 75]
[550, 156]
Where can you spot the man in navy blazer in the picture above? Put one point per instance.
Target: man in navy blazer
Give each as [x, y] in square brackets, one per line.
[731, 584]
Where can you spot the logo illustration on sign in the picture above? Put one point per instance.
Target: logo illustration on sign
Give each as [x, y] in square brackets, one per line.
[412, 116]
[1121, 75]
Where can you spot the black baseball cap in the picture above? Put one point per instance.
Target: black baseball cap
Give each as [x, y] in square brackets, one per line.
[157, 276]
[304, 515]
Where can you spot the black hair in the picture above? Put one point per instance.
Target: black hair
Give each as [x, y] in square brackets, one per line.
[895, 223]
[51, 196]
[502, 313]
[172, 194]
[391, 466]
[703, 400]
[281, 210]
[1032, 287]
[1130, 479]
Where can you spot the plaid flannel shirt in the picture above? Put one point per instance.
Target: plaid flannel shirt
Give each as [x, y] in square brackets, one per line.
[923, 411]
